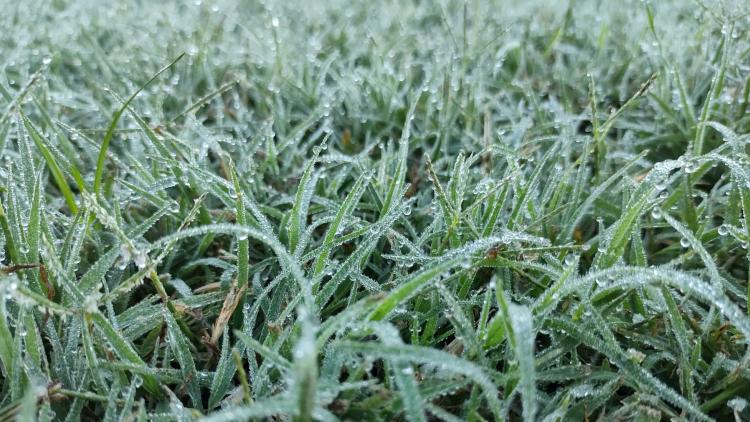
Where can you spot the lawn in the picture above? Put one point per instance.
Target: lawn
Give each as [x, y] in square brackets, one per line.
[374, 211]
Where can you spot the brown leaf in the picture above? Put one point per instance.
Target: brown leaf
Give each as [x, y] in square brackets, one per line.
[227, 310]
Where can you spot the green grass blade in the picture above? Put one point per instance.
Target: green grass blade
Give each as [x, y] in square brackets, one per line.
[99, 174]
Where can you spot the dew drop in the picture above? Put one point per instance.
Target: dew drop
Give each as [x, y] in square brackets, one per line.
[570, 259]
[737, 404]
[140, 259]
[125, 256]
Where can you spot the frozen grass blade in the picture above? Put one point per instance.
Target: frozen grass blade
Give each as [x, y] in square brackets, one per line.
[454, 213]
[437, 358]
[346, 209]
[62, 184]
[121, 347]
[180, 345]
[523, 333]
[298, 213]
[423, 278]
[265, 409]
[99, 174]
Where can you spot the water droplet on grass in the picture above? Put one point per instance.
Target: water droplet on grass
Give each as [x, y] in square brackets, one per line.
[737, 404]
[140, 259]
[570, 259]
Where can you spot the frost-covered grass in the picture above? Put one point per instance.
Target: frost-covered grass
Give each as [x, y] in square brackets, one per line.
[397, 210]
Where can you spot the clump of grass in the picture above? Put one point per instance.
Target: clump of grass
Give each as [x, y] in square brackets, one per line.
[451, 211]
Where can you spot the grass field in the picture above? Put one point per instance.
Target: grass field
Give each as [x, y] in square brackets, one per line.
[399, 210]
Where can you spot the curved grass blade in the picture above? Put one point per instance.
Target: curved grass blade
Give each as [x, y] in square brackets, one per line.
[423, 278]
[113, 125]
[54, 168]
[429, 356]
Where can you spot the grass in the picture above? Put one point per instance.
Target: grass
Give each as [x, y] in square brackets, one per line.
[405, 210]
